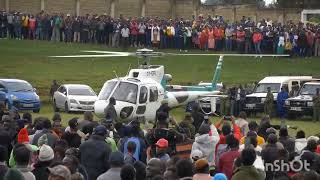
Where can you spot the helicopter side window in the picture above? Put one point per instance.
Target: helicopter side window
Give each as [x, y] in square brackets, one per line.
[153, 94]
[143, 95]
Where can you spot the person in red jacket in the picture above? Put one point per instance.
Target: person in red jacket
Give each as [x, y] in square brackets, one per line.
[257, 38]
[134, 33]
[240, 40]
[310, 43]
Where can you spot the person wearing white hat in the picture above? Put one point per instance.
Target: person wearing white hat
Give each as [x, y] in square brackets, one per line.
[46, 155]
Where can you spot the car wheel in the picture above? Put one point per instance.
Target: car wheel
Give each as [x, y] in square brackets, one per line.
[55, 107]
[36, 110]
[66, 108]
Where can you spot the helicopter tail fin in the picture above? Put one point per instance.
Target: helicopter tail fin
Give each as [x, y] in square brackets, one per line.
[217, 74]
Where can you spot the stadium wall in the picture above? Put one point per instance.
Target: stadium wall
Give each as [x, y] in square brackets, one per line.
[152, 8]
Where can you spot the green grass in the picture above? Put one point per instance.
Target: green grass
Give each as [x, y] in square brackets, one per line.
[29, 60]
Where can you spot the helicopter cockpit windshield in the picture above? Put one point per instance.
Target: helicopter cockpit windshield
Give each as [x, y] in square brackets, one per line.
[124, 91]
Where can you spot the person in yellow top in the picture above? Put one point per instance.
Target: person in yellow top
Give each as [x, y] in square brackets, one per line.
[253, 128]
[25, 22]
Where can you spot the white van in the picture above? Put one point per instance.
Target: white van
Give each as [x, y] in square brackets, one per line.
[255, 101]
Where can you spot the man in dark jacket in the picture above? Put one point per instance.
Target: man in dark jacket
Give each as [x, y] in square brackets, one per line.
[110, 111]
[270, 153]
[95, 153]
[54, 88]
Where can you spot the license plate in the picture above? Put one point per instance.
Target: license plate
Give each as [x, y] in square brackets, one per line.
[28, 105]
[295, 109]
[250, 106]
[87, 107]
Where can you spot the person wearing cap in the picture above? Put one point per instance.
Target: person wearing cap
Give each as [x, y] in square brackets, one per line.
[71, 136]
[202, 170]
[116, 161]
[45, 158]
[95, 153]
[59, 172]
[161, 150]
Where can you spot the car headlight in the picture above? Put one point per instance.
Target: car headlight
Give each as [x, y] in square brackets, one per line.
[73, 101]
[287, 102]
[37, 98]
[263, 100]
[13, 97]
[310, 103]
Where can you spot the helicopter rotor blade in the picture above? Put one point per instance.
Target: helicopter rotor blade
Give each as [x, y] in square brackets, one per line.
[238, 55]
[91, 56]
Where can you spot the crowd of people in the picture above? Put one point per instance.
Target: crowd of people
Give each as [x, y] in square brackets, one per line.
[232, 148]
[205, 33]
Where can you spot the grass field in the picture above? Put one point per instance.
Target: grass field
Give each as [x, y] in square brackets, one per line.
[29, 60]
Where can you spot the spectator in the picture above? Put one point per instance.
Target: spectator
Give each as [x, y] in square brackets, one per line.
[95, 153]
[171, 170]
[300, 141]
[247, 170]
[185, 169]
[287, 142]
[161, 150]
[202, 170]
[154, 167]
[46, 155]
[13, 174]
[270, 153]
[226, 160]
[72, 137]
[72, 163]
[128, 157]
[253, 128]
[116, 161]
[125, 37]
[140, 170]
[242, 123]
[206, 142]
[87, 119]
[22, 156]
[128, 172]
[52, 138]
[3, 159]
[59, 172]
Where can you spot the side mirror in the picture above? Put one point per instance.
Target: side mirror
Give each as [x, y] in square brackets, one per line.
[34, 89]
[65, 93]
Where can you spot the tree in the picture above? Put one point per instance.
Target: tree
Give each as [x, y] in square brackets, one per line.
[298, 4]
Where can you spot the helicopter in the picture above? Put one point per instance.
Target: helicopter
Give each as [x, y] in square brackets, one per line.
[141, 92]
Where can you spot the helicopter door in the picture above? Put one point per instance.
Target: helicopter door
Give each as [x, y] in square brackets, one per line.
[143, 98]
[153, 104]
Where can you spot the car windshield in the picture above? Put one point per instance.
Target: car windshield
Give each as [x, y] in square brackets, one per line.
[107, 90]
[81, 91]
[19, 86]
[263, 87]
[127, 92]
[309, 89]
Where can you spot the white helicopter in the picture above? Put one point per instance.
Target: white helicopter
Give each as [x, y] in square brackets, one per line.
[140, 93]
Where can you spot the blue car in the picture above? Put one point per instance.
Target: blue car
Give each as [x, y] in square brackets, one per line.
[20, 95]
